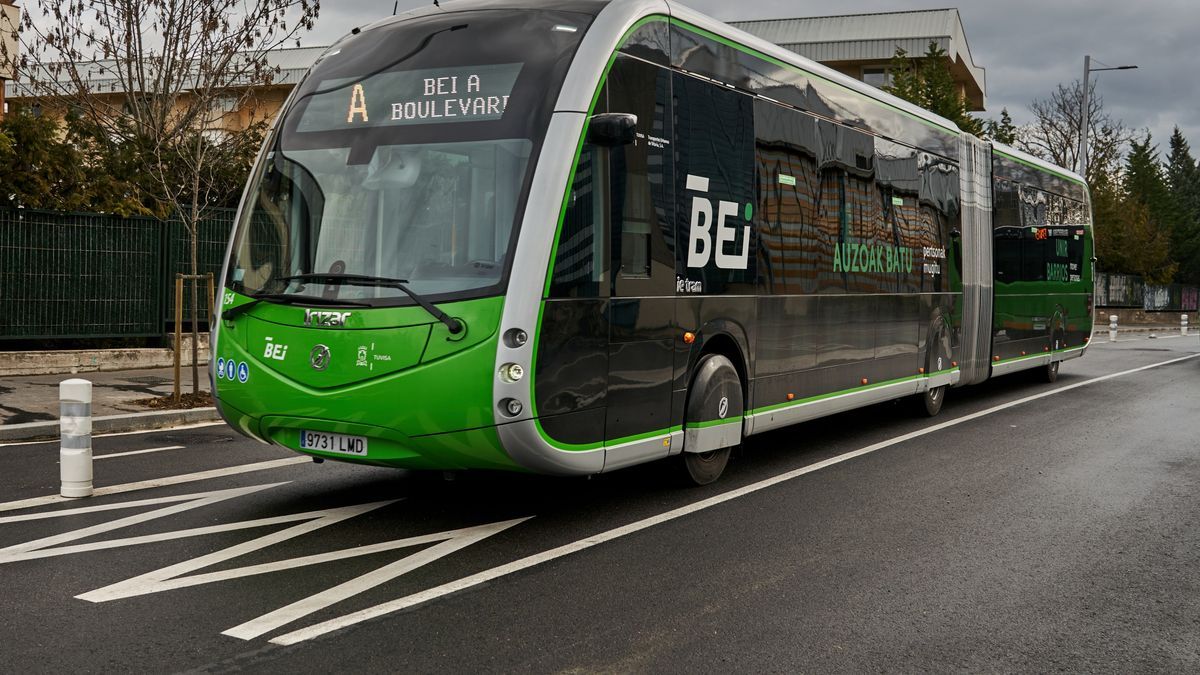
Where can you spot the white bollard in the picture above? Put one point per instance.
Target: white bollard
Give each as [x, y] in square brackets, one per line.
[1183, 324]
[1112, 327]
[75, 446]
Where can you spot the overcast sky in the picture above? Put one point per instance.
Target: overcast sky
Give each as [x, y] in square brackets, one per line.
[1026, 46]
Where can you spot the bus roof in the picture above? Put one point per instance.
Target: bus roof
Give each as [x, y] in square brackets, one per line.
[1035, 162]
[614, 17]
[685, 13]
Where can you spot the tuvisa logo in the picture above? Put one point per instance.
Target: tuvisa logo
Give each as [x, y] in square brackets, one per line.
[701, 246]
[314, 317]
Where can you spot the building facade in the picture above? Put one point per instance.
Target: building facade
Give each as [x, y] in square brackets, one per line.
[862, 45]
[10, 22]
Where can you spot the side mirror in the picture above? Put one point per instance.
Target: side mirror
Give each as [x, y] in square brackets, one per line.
[610, 130]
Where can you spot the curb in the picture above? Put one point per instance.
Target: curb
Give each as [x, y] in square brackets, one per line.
[107, 424]
[1102, 331]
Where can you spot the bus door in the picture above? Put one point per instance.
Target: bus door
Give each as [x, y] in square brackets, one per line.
[642, 324]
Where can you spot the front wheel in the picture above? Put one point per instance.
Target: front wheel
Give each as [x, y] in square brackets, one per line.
[703, 468]
[712, 420]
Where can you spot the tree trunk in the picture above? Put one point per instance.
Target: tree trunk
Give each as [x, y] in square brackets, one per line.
[194, 235]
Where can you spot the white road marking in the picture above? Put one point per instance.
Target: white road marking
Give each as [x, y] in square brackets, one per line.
[110, 455]
[185, 427]
[159, 580]
[158, 482]
[176, 576]
[49, 547]
[485, 576]
[458, 539]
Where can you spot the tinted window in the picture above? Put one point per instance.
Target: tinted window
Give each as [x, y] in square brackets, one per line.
[715, 165]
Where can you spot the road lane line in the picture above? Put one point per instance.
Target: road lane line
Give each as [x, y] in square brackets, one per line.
[485, 576]
[162, 430]
[160, 482]
[110, 455]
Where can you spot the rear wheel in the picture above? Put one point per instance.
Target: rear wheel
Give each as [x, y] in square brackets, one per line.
[933, 399]
[937, 360]
[1049, 373]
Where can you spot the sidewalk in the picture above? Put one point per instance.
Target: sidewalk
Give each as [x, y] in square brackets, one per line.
[29, 403]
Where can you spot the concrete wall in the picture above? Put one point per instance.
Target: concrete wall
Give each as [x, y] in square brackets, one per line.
[91, 360]
[1141, 317]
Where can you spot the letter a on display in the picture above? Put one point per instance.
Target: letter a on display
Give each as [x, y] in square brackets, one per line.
[358, 104]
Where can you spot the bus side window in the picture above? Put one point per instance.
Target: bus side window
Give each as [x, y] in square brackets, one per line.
[639, 187]
[581, 261]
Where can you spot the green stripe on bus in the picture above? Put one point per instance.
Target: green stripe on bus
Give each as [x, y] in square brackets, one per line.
[833, 394]
[1034, 356]
[714, 423]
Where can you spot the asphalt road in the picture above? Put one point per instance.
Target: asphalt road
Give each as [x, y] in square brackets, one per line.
[1029, 527]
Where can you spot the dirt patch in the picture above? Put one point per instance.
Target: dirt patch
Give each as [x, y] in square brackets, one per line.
[187, 401]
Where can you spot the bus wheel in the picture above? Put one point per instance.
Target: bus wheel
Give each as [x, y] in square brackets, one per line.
[702, 468]
[933, 399]
[712, 420]
[1050, 372]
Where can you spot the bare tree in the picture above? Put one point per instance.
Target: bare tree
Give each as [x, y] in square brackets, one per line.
[1054, 134]
[161, 76]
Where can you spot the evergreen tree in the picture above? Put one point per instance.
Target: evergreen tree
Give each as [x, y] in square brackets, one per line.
[926, 82]
[1146, 213]
[44, 166]
[1002, 131]
[1183, 187]
[1110, 226]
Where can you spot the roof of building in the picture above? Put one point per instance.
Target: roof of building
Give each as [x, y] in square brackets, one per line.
[292, 63]
[875, 37]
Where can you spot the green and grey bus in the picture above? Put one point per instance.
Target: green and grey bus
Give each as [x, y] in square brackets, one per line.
[576, 236]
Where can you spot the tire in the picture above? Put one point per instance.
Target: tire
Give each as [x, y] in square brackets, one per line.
[932, 400]
[929, 404]
[716, 393]
[704, 467]
[1049, 373]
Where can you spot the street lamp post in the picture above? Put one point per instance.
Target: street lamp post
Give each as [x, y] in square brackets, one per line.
[1084, 112]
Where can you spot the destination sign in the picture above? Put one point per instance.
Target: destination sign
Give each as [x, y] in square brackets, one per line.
[429, 96]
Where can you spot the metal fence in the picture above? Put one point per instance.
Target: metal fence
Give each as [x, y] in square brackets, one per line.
[87, 275]
[1129, 291]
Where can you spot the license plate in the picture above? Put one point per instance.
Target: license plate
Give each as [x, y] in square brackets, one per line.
[339, 443]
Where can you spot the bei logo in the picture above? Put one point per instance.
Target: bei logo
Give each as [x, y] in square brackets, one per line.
[704, 243]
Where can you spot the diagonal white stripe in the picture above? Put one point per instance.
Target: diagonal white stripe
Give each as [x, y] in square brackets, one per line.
[485, 576]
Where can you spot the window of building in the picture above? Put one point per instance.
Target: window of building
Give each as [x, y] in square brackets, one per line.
[877, 77]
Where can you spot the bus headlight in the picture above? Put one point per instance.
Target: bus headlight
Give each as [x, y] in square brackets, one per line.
[511, 372]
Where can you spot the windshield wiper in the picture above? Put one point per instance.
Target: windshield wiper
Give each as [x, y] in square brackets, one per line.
[288, 298]
[454, 325]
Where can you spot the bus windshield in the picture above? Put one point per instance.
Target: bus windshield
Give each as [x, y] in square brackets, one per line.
[406, 154]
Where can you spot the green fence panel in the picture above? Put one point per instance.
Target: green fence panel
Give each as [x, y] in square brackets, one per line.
[210, 255]
[78, 275]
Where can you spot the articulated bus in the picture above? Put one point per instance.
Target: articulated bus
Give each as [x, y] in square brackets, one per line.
[572, 237]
